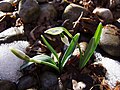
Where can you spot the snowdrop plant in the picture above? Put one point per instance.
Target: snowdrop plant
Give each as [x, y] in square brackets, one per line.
[47, 60]
[90, 48]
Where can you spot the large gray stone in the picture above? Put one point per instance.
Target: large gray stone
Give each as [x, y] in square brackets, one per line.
[110, 40]
[29, 11]
[49, 13]
[104, 14]
[48, 79]
[73, 11]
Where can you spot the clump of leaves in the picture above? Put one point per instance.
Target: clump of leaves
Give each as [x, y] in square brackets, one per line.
[47, 60]
[90, 48]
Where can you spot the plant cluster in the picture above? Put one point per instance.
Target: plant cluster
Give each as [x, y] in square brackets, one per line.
[47, 60]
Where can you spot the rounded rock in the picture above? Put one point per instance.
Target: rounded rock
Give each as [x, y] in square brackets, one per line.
[7, 85]
[49, 13]
[104, 13]
[26, 82]
[29, 11]
[113, 3]
[42, 1]
[110, 40]
[83, 46]
[6, 6]
[73, 11]
[48, 79]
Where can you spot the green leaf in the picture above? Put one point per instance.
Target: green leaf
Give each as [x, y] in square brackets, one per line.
[54, 31]
[25, 65]
[20, 54]
[98, 33]
[88, 53]
[44, 62]
[67, 32]
[50, 47]
[70, 49]
[91, 46]
[44, 57]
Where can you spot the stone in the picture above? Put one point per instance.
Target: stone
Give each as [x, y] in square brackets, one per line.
[83, 46]
[110, 40]
[49, 13]
[113, 3]
[7, 85]
[48, 79]
[73, 11]
[42, 1]
[29, 11]
[5, 6]
[26, 82]
[103, 13]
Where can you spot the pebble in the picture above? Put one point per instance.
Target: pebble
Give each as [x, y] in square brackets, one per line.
[73, 11]
[110, 40]
[29, 11]
[113, 3]
[49, 13]
[11, 32]
[5, 6]
[103, 13]
[26, 82]
[7, 85]
[83, 46]
[48, 79]
[42, 1]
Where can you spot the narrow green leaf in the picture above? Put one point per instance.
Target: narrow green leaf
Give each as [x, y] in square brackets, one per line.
[44, 57]
[70, 49]
[91, 46]
[45, 63]
[67, 32]
[50, 47]
[88, 53]
[20, 54]
[54, 31]
[98, 33]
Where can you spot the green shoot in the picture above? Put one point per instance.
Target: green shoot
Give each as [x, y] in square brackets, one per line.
[47, 60]
[91, 46]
